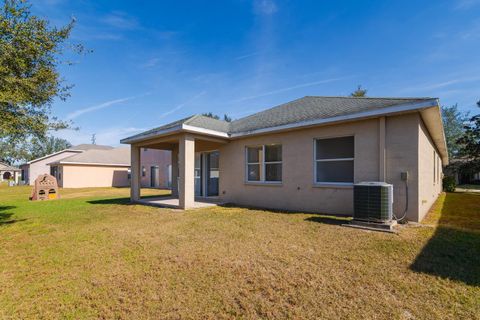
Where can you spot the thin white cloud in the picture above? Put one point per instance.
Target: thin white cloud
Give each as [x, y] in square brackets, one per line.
[264, 7]
[443, 84]
[472, 33]
[181, 105]
[103, 105]
[245, 56]
[151, 63]
[108, 136]
[245, 112]
[120, 20]
[466, 4]
[298, 86]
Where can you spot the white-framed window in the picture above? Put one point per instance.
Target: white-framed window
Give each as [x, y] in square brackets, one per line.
[264, 163]
[334, 160]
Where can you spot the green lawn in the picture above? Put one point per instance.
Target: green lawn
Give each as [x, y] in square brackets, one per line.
[92, 255]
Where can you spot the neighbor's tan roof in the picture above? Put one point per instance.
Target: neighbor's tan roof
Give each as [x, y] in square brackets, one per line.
[115, 156]
[77, 148]
[86, 146]
[6, 167]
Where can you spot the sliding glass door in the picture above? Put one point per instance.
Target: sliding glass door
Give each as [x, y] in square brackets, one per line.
[207, 174]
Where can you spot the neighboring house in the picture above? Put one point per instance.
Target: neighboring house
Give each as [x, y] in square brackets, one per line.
[89, 165]
[8, 172]
[93, 168]
[305, 155]
[32, 169]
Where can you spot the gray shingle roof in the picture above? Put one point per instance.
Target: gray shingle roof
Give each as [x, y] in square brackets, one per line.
[204, 122]
[120, 156]
[308, 108]
[198, 121]
[314, 108]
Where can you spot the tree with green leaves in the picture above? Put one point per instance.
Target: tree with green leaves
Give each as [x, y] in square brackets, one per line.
[30, 51]
[227, 118]
[453, 123]
[214, 116]
[470, 144]
[40, 147]
[360, 92]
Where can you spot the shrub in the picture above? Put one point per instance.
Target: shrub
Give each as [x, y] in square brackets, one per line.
[449, 184]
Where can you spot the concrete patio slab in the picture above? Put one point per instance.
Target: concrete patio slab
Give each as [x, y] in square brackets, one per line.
[173, 202]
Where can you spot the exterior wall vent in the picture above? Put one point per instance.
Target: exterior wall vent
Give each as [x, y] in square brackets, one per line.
[373, 201]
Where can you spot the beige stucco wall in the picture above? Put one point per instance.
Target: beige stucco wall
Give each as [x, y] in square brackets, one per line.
[430, 179]
[402, 156]
[299, 193]
[41, 167]
[83, 176]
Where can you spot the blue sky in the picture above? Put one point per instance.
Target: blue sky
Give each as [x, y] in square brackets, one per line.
[157, 61]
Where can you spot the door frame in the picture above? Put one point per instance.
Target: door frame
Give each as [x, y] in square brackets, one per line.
[203, 173]
[154, 179]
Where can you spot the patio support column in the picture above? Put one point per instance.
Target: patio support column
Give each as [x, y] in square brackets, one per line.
[186, 196]
[175, 171]
[134, 173]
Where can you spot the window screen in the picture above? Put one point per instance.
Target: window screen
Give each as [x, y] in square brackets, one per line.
[264, 163]
[254, 159]
[334, 160]
[335, 148]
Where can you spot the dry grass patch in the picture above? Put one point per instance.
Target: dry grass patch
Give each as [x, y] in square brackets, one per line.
[91, 255]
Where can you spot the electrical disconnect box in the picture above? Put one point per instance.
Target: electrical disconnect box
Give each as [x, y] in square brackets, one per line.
[404, 176]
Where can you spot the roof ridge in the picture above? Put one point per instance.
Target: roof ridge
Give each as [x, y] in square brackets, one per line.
[204, 116]
[384, 98]
[268, 109]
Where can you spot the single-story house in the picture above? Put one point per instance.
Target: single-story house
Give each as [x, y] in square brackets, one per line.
[90, 165]
[32, 169]
[306, 155]
[93, 168]
[8, 172]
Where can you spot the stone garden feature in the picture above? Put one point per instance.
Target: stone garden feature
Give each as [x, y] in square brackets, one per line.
[45, 188]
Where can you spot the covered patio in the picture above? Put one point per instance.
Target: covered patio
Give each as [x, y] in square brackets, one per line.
[195, 172]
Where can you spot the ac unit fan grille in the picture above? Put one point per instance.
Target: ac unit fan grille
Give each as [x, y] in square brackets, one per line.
[371, 203]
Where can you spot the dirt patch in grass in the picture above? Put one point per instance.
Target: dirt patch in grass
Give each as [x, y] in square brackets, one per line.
[80, 258]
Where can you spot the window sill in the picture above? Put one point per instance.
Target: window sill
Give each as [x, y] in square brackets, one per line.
[264, 183]
[333, 185]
